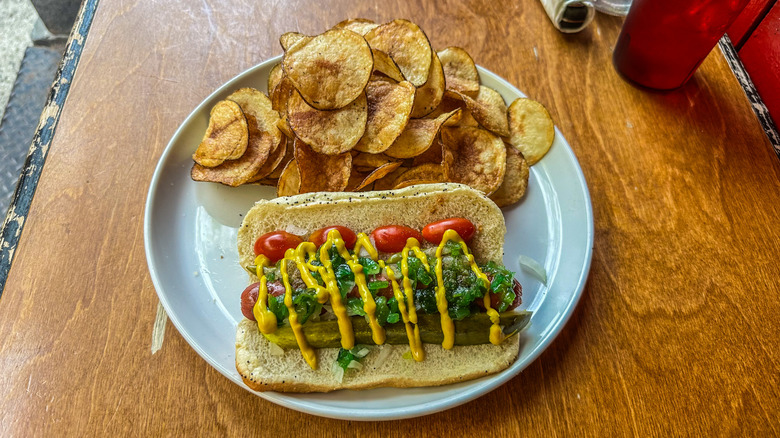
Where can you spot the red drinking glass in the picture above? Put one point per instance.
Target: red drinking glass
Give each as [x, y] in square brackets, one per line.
[663, 41]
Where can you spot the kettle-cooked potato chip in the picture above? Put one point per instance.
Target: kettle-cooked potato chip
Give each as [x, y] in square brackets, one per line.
[361, 181]
[280, 98]
[274, 159]
[430, 94]
[289, 39]
[331, 70]
[460, 71]
[236, 172]
[515, 179]
[257, 108]
[355, 178]
[418, 136]
[473, 156]
[432, 155]
[450, 102]
[358, 25]
[466, 119]
[328, 132]
[273, 182]
[384, 64]
[531, 129]
[388, 181]
[489, 110]
[289, 183]
[284, 126]
[288, 156]
[388, 106]
[280, 95]
[226, 136]
[362, 159]
[431, 173]
[274, 77]
[319, 172]
[408, 45]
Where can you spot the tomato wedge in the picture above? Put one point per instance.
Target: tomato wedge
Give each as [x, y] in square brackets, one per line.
[248, 300]
[434, 231]
[274, 244]
[392, 238]
[250, 294]
[320, 236]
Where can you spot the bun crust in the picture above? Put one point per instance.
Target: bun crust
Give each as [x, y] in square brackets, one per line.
[415, 207]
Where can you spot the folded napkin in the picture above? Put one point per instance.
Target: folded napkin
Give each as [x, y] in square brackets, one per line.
[569, 16]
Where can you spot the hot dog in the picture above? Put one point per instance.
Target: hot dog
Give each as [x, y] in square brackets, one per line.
[410, 280]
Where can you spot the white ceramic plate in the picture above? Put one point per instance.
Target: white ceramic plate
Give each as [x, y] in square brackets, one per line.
[190, 238]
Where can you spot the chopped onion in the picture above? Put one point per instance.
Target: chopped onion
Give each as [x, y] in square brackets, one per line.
[275, 350]
[362, 353]
[337, 371]
[298, 231]
[355, 365]
[384, 353]
[533, 267]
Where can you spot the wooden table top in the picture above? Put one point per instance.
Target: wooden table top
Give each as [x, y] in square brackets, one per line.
[677, 329]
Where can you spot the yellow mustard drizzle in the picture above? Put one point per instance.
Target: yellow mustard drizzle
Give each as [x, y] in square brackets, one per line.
[412, 330]
[378, 334]
[306, 350]
[496, 335]
[266, 320]
[363, 242]
[447, 326]
[413, 245]
[305, 251]
[329, 277]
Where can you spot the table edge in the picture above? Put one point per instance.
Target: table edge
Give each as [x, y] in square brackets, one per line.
[44, 133]
[759, 107]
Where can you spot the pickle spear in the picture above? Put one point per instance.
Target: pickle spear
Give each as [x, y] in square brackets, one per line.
[473, 330]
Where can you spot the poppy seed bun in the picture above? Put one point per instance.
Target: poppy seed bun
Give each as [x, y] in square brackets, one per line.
[362, 212]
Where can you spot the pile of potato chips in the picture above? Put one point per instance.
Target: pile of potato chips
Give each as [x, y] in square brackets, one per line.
[366, 106]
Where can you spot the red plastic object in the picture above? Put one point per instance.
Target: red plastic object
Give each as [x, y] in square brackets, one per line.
[761, 57]
[663, 41]
[747, 20]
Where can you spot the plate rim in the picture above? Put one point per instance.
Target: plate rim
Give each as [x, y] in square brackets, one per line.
[478, 389]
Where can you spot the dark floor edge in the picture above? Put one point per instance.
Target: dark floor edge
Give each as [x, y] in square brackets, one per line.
[762, 112]
[36, 157]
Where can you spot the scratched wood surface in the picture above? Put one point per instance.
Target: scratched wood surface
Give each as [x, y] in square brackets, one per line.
[677, 331]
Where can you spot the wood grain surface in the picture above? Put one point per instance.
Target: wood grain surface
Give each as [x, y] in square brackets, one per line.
[676, 333]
